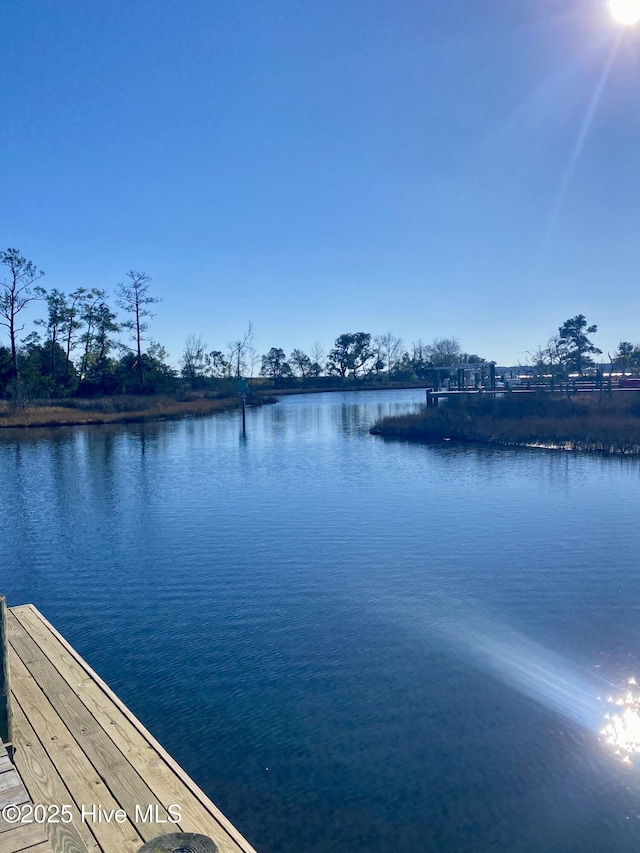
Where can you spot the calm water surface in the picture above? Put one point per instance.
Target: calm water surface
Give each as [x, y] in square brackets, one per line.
[411, 638]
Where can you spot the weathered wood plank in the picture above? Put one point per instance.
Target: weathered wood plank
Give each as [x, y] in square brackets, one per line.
[8, 779]
[125, 784]
[21, 837]
[166, 779]
[46, 786]
[5, 763]
[83, 784]
[5, 687]
[13, 796]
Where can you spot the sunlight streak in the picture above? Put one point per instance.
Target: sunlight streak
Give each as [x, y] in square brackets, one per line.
[580, 141]
[534, 671]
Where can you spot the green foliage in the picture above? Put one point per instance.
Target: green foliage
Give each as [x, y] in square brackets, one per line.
[275, 365]
[351, 353]
[301, 363]
[576, 347]
[16, 292]
[6, 370]
[159, 377]
[626, 358]
[134, 299]
[218, 366]
[35, 379]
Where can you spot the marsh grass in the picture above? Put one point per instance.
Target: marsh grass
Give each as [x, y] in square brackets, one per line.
[608, 423]
[117, 409]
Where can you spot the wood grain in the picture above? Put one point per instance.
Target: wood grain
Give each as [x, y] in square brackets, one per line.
[46, 786]
[82, 782]
[21, 837]
[68, 714]
[5, 685]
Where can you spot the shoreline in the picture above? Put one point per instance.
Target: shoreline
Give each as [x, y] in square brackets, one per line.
[567, 446]
[60, 416]
[161, 408]
[286, 392]
[595, 425]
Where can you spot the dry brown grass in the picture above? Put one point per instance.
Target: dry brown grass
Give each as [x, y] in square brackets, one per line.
[140, 409]
[594, 422]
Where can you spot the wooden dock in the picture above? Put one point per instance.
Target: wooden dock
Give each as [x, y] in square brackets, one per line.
[77, 746]
[16, 837]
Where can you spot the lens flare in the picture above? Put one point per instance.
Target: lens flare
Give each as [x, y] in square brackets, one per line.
[625, 12]
[536, 672]
[622, 728]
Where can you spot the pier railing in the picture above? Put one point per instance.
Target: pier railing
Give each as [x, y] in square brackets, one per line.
[5, 688]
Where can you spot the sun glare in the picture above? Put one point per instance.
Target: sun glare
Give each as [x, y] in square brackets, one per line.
[626, 12]
[622, 728]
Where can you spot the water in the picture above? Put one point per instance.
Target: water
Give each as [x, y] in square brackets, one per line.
[411, 638]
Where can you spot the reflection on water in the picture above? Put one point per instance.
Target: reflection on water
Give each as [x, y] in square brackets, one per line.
[410, 637]
[622, 727]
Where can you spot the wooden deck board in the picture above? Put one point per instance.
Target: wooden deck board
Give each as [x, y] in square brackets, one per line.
[88, 754]
[8, 779]
[82, 782]
[22, 838]
[100, 753]
[46, 786]
[132, 739]
[16, 837]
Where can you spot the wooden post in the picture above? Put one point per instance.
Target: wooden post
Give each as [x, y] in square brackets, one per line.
[244, 417]
[5, 687]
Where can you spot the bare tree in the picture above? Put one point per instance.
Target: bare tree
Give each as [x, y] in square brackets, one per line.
[254, 360]
[17, 292]
[134, 299]
[317, 359]
[419, 360]
[548, 363]
[194, 359]
[444, 352]
[390, 349]
[241, 351]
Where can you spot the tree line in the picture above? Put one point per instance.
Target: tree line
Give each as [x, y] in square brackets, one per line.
[571, 351]
[78, 348]
[354, 356]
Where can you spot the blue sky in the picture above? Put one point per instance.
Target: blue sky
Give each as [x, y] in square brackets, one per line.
[323, 167]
